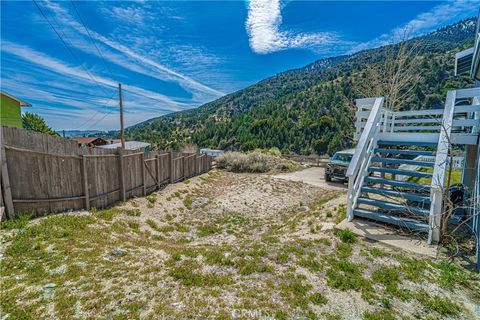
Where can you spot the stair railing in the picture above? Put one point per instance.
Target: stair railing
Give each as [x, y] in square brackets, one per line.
[445, 140]
[476, 210]
[358, 168]
[440, 169]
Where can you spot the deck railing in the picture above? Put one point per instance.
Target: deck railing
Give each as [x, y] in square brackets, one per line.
[464, 125]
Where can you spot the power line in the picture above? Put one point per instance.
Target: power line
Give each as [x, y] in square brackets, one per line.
[95, 113]
[91, 38]
[68, 48]
[104, 116]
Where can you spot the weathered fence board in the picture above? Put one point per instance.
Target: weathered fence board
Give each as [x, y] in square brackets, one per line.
[52, 174]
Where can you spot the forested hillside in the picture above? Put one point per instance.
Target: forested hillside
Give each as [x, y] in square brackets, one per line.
[309, 110]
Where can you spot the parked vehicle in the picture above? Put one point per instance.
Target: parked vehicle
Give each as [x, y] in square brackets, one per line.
[338, 165]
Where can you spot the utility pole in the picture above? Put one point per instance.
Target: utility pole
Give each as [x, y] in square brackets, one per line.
[122, 136]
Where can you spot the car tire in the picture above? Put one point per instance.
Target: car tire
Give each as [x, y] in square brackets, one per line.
[328, 178]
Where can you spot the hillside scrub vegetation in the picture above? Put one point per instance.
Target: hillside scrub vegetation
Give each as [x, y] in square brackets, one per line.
[255, 162]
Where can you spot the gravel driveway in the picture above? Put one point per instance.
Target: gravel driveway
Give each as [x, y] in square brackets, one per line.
[314, 176]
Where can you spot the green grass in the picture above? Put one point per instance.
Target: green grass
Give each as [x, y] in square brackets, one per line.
[376, 252]
[248, 266]
[208, 230]
[379, 315]
[132, 212]
[217, 257]
[135, 226]
[152, 224]
[188, 274]
[295, 291]
[311, 264]
[345, 275]
[19, 222]
[390, 278]
[318, 298]
[455, 178]
[187, 202]
[439, 304]
[347, 235]
[152, 198]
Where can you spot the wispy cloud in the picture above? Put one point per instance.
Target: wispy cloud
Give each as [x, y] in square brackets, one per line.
[263, 27]
[63, 69]
[162, 72]
[423, 23]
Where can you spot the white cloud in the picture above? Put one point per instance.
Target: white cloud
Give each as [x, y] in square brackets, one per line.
[263, 28]
[423, 23]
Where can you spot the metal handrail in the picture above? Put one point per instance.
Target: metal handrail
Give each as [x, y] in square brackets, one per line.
[357, 169]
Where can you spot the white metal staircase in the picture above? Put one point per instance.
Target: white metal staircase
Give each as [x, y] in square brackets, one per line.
[388, 140]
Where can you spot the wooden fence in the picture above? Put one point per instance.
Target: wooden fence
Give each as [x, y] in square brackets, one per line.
[41, 174]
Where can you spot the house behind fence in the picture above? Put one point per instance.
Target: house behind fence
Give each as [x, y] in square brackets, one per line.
[43, 174]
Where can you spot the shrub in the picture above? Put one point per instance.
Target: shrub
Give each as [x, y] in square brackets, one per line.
[256, 161]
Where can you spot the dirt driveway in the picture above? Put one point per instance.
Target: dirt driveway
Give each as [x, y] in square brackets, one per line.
[314, 176]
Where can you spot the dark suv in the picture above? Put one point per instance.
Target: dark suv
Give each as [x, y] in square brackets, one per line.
[338, 165]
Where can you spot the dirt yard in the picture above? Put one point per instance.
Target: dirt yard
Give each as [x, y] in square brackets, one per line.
[222, 246]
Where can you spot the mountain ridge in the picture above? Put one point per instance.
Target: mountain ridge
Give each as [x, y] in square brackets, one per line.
[222, 123]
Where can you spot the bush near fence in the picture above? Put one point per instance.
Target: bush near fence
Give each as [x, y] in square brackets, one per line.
[43, 174]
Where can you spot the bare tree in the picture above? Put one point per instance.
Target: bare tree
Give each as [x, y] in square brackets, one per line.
[396, 77]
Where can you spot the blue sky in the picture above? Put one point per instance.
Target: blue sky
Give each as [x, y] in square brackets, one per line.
[172, 56]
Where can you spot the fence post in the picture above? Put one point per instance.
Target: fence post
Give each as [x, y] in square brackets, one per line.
[85, 182]
[170, 158]
[144, 178]
[183, 167]
[197, 164]
[5, 184]
[157, 162]
[121, 174]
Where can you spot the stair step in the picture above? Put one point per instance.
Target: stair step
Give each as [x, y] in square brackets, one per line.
[407, 143]
[403, 161]
[399, 184]
[396, 207]
[397, 194]
[401, 172]
[411, 224]
[405, 152]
